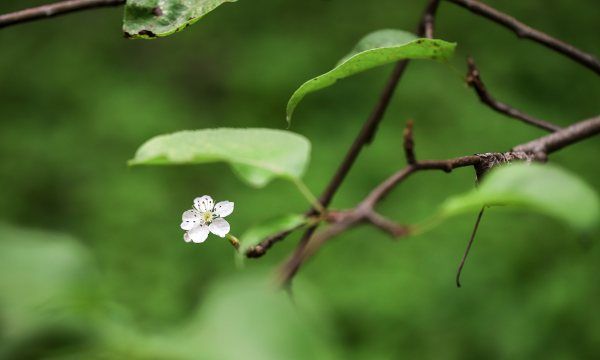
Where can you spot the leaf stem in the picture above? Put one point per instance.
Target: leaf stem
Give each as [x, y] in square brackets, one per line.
[235, 242]
[308, 195]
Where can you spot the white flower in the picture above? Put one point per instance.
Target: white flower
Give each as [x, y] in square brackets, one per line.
[204, 218]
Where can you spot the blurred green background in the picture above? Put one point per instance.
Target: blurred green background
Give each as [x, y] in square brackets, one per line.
[92, 261]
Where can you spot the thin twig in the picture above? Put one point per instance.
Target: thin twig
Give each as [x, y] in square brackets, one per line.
[52, 10]
[527, 32]
[260, 249]
[409, 143]
[474, 80]
[469, 244]
[427, 25]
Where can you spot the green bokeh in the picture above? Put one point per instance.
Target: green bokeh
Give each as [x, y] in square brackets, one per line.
[78, 99]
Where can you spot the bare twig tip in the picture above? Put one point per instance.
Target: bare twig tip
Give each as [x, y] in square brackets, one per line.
[469, 244]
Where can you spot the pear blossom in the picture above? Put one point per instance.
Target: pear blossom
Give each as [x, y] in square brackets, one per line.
[205, 217]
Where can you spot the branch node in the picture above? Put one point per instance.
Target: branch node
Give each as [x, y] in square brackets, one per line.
[491, 160]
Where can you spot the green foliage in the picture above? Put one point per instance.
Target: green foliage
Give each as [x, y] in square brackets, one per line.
[42, 276]
[376, 49]
[249, 318]
[257, 233]
[547, 189]
[255, 155]
[70, 118]
[148, 19]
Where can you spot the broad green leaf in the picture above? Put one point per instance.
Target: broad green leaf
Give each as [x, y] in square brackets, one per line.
[255, 155]
[256, 234]
[43, 278]
[543, 188]
[147, 19]
[248, 318]
[376, 49]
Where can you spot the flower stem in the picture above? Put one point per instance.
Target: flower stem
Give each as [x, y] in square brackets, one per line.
[305, 191]
[235, 242]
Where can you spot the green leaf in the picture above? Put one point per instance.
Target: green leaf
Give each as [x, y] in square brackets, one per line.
[543, 188]
[44, 278]
[249, 318]
[259, 232]
[255, 155]
[147, 19]
[376, 49]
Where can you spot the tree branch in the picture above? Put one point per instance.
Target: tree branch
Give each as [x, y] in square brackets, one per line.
[558, 140]
[364, 212]
[52, 10]
[526, 32]
[425, 28]
[364, 137]
[474, 80]
[427, 25]
[260, 249]
[536, 150]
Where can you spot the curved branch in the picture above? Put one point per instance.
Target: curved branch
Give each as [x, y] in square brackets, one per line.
[558, 140]
[527, 32]
[52, 10]
[474, 80]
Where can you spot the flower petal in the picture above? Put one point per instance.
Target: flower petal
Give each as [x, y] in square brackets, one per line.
[186, 237]
[223, 208]
[190, 219]
[199, 233]
[204, 203]
[190, 215]
[219, 227]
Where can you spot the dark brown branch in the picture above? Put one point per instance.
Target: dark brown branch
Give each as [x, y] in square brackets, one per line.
[481, 162]
[526, 32]
[558, 140]
[291, 266]
[474, 80]
[364, 211]
[364, 137]
[52, 10]
[469, 244]
[260, 249]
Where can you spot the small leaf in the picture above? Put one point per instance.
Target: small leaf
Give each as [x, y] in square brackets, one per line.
[257, 233]
[543, 188]
[255, 155]
[147, 19]
[376, 49]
